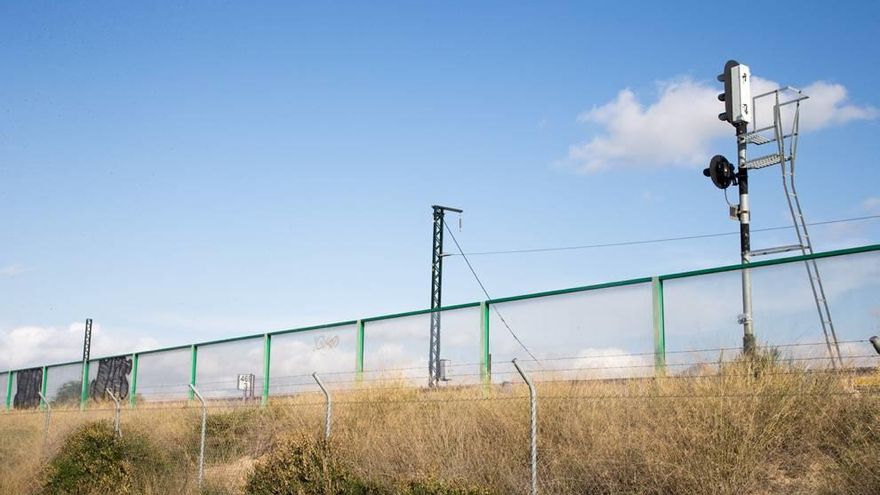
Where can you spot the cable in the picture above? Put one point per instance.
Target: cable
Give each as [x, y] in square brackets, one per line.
[659, 240]
[495, 307]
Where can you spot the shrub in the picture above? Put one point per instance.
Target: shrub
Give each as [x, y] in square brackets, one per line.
[304, 467]
[93, 460]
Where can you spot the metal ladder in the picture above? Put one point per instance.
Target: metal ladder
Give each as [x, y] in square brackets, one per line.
[785, 155]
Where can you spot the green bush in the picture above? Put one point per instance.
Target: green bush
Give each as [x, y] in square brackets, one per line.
[93, 460]
[305, 467]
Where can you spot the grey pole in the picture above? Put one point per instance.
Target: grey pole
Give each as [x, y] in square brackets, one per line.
[533, 407]
[329, 416]
[116, 414]
[46, 428]
[202, 444]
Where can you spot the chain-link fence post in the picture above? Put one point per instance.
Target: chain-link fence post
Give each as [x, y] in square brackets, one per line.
[116, 426]
[202, 441]
[533, 408]
[329, 415]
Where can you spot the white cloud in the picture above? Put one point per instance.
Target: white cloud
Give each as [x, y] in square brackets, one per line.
[829, 105]
[38, 345]
[12, 270]
[679, 128]
[871, 205]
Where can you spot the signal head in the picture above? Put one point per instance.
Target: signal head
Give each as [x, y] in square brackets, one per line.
[737, 93]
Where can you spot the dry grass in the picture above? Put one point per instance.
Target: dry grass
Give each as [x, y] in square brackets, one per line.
[782, 431]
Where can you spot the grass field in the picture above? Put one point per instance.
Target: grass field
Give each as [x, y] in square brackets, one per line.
[744, 428]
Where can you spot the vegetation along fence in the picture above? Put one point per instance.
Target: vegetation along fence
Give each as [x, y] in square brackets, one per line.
[633, 328]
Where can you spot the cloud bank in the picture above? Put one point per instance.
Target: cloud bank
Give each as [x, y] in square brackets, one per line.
[38, 345]
[679, 128]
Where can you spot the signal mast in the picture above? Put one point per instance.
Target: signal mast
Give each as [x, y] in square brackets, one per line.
[740, 111]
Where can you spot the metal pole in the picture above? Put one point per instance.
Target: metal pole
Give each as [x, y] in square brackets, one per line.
[46, 428]
[87, 349]
[116, 427]
[84, 387]
[485, 356]
[745, 239]
[9, 381]
[202, 441]
[267, 355]
[194, 356]
[533, 406]
[359, 352]
[132, 387]
[659, 327]
[44, 381]
[436, 293]
[329, 401]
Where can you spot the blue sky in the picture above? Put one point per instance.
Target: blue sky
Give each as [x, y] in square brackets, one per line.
[188, 172]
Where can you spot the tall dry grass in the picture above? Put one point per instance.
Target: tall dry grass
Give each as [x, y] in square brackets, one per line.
[746, 429]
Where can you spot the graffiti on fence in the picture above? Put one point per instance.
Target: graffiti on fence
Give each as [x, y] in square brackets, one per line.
[322, 342]
[27, 391]
[112, 375]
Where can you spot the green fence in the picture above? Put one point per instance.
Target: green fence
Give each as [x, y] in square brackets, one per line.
[667, 324]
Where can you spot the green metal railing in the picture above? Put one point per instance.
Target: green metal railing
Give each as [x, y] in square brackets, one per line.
[482, 328]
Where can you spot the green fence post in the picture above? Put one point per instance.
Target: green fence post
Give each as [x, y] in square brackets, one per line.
[9, 379]
[359, 353]
[659, 327]
[485, 357]
[44, 379]
[267, 355]
[133, 385]
[84, 387]
[194, 350]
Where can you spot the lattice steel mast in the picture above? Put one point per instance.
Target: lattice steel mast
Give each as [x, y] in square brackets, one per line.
[436, 293]
[87, 341]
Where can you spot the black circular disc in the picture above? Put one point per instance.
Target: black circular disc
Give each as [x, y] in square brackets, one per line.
[721, 172]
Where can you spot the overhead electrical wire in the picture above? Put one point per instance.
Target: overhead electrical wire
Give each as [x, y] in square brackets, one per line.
[656, 241]
[488, 297]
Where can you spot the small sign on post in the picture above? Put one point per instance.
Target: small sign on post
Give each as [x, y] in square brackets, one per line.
[246, 383]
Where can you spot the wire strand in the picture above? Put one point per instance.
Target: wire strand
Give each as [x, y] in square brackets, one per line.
[483, 287]
[658, 240]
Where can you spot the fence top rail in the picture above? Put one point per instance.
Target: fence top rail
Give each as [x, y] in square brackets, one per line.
[58, 365]
[621, 283]
[162, 349]
[778, 261]
[421, 312]
[571, 290]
